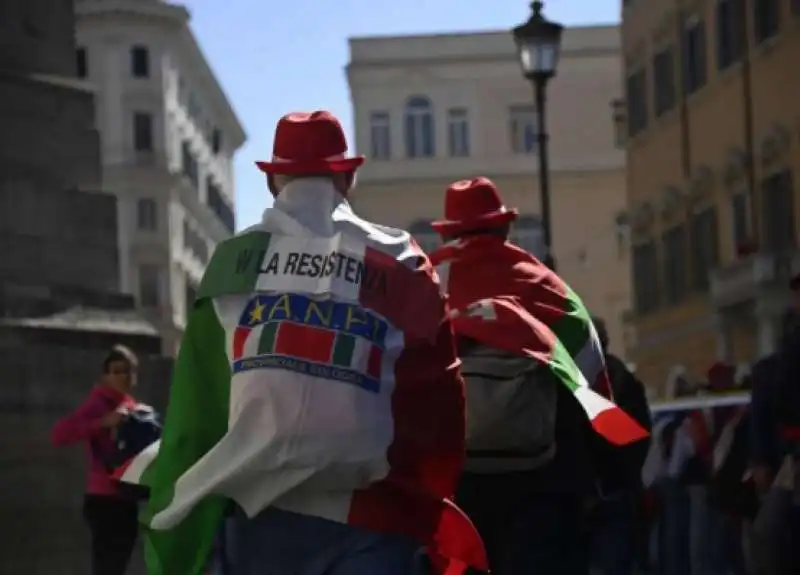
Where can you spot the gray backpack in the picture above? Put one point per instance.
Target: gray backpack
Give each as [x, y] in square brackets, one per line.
[511, 411]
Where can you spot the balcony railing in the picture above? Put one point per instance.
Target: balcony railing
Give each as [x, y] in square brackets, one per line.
[130, 158]
[187, 194]
[744, 278]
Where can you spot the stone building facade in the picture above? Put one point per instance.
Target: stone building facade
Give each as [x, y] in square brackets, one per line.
[60, 306]
[713, 161]
[432, 109]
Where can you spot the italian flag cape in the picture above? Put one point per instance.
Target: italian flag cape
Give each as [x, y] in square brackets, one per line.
[502, 296]
[304, 355]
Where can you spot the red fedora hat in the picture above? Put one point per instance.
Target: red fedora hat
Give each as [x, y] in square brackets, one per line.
[472, 205]
[309, 143]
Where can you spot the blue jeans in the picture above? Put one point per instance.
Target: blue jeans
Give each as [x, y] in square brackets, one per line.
[613, 535]
[277, 542]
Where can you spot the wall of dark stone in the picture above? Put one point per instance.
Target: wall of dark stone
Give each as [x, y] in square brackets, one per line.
[38, 36]
[41, 486]
[48, 135]
[58, 250]
[57, 237]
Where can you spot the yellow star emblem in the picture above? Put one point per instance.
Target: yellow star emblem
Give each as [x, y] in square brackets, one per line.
[257, 313]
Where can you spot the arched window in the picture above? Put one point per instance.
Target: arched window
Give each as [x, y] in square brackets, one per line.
[380, 128]
[424, 235]
[528, 234]
[419, 128]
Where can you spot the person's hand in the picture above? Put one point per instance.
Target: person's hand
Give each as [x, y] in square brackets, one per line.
[112, 420]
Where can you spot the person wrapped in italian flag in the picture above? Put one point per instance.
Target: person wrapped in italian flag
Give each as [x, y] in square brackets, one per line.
[317, 388]
[504, 297]
[535, 375]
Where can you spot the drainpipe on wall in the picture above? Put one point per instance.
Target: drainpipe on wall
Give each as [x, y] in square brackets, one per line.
[749, 129]
[686, 149]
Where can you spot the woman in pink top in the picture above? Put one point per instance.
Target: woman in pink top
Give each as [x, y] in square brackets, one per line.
[112, 517]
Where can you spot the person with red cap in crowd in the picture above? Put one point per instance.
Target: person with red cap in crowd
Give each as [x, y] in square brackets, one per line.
[720, 378]
[317, 390]
[532, 362]
[716, 521]
[731, 500]
[618, 543]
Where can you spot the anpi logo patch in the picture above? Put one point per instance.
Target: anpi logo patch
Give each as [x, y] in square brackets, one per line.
[327, 339]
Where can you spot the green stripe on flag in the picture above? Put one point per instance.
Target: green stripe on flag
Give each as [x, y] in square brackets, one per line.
[564, 367]
[235, 265]
[197, 418]
[572, 329]
[343, 350]
[607, 419]
[266, 342]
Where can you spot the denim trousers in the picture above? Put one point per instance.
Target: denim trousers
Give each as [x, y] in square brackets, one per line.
[277, 542]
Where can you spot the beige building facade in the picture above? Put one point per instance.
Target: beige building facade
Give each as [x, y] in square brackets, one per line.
[429, 110]
[713, 157]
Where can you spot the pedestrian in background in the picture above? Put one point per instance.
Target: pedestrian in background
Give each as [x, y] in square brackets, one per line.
[111, 515]
[775, 451]
[678, 448]
[620, 472]
[334, 463]
[529, 474]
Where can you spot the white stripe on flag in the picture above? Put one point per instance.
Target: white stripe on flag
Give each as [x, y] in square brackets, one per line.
[295, 264]
[592, 402]
[361, 354]
[133, 473]
[252, 341]
[590, 357]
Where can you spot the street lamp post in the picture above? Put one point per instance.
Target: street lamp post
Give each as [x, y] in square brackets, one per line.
[538, 45]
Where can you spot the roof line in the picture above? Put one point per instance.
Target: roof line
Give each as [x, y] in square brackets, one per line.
[197, 54]
[454, 34]
[179, 17]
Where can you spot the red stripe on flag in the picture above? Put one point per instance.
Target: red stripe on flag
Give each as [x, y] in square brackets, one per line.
[512, 329]
[239, 338]
[304, 342]
[120, 471]
[482, 267]
[408, 297]
[374, 362]
[618, 427]
[427, 452]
